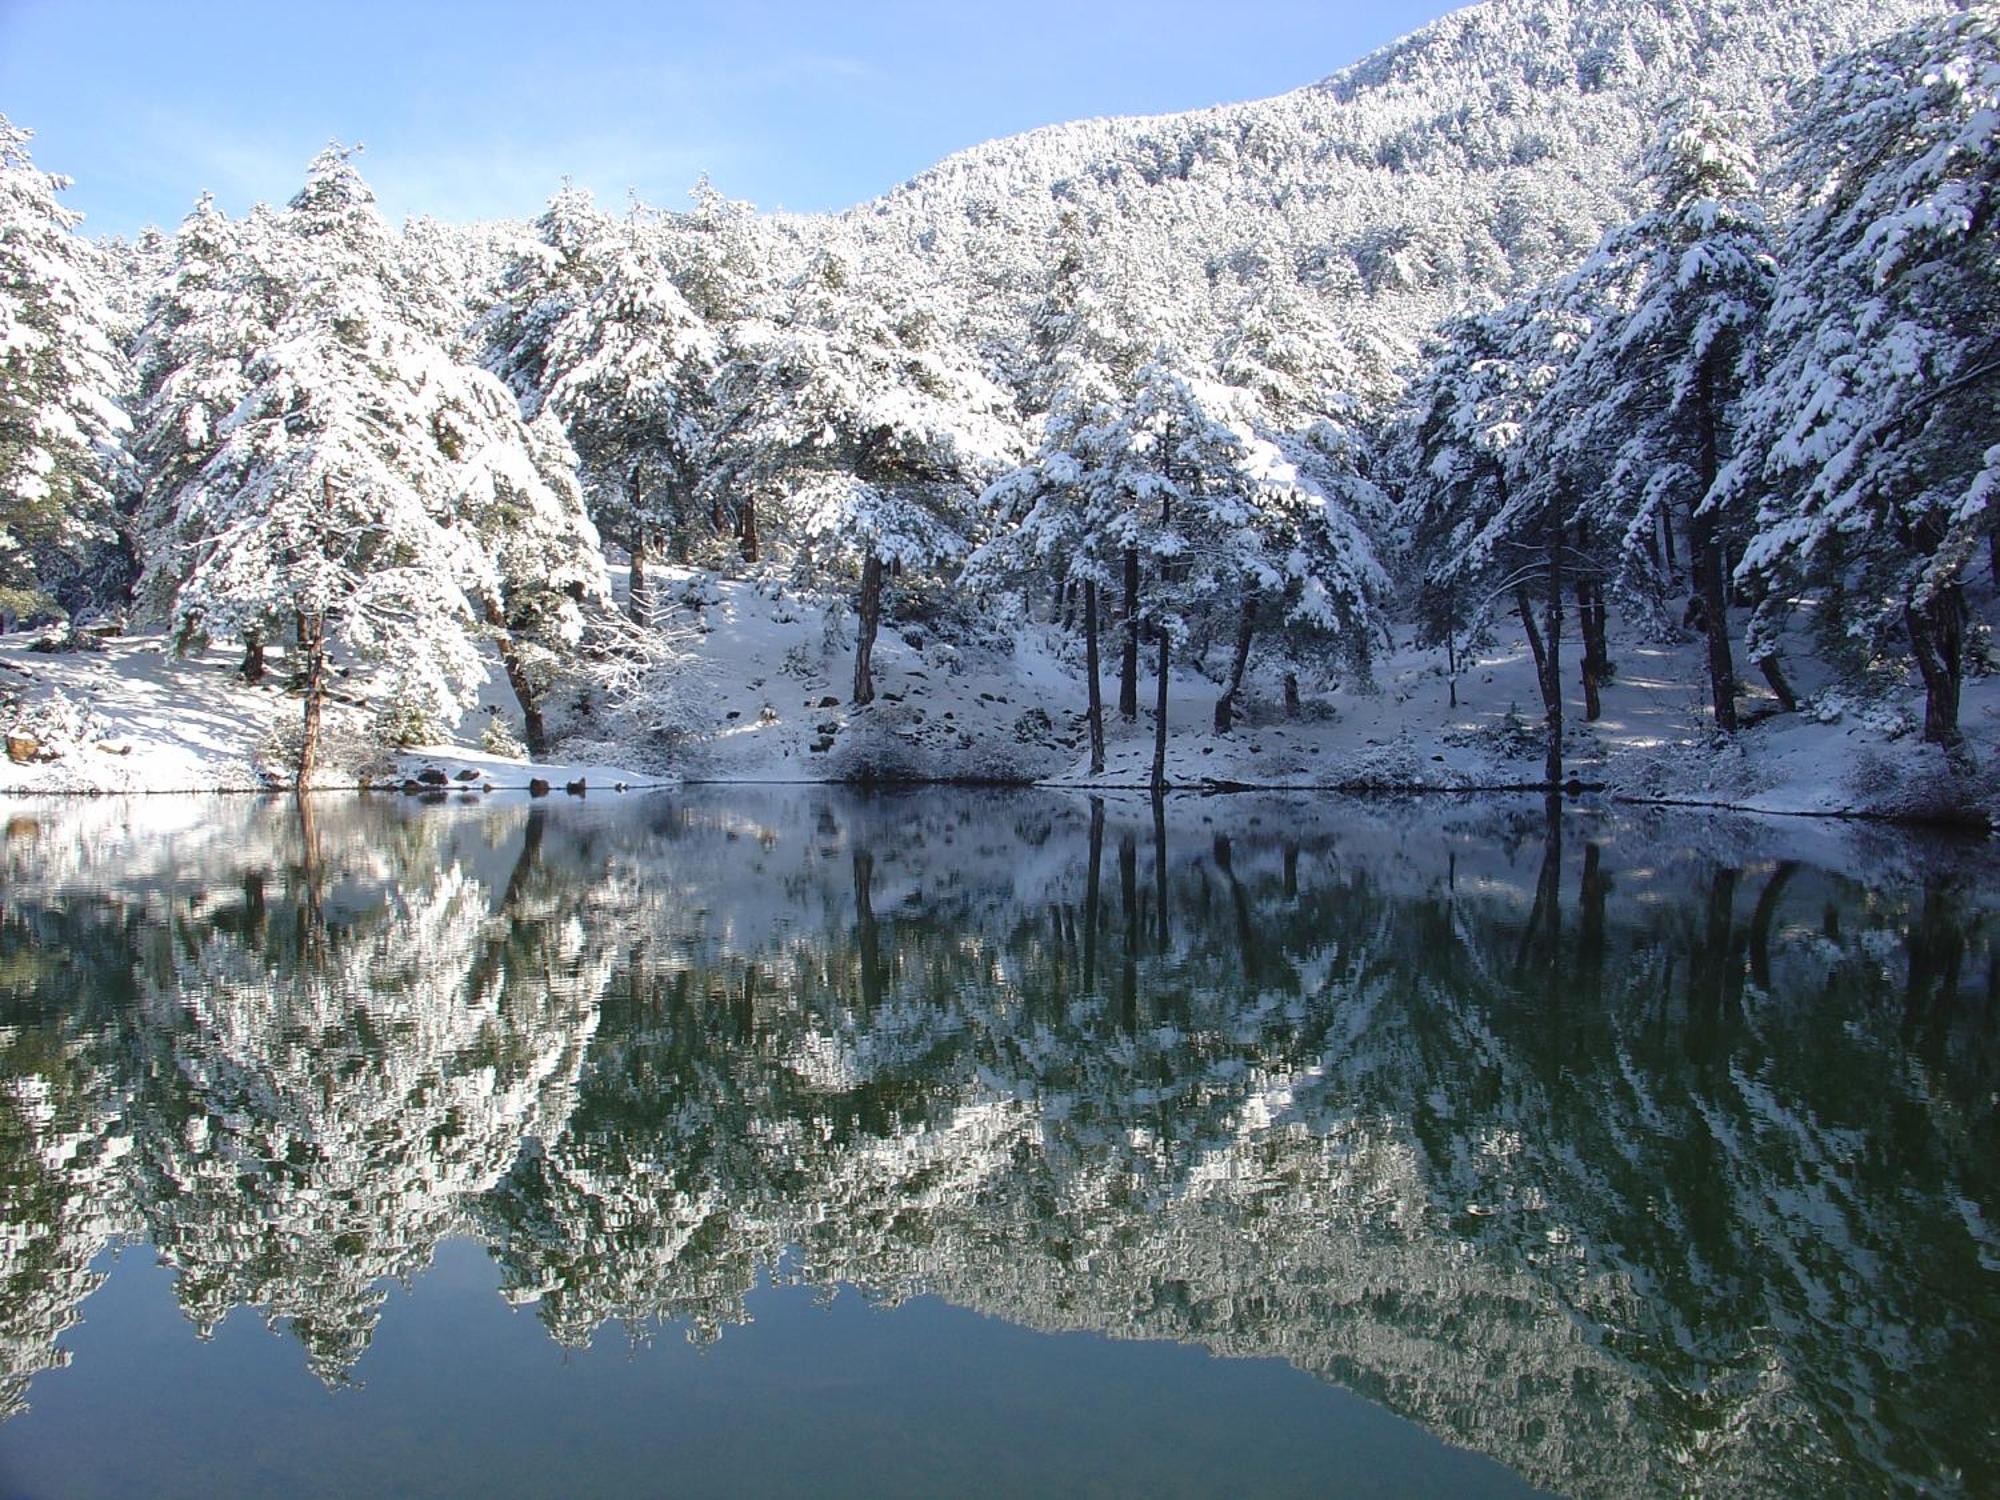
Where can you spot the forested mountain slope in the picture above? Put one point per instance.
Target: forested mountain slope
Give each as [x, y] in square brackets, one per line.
[1479, 155]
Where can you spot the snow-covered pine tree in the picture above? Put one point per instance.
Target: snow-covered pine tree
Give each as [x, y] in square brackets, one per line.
[208, 318]
[62, 377]
[1484, 520]
[369, 492]
[550, 273]
[1223, 519]
[630, 370]
[1307, 388]
[875, 445]
[1049, 519]
[1877, 420]
[1657, 384]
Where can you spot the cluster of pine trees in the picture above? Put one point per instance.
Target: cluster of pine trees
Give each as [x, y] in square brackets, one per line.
[1771, 394]
[1793, 411]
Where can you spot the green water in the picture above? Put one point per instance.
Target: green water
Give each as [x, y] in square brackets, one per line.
[793, 1141]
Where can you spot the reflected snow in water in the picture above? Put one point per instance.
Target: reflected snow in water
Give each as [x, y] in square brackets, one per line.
[801, 1140]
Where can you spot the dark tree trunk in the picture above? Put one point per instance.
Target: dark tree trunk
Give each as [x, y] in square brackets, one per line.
[312, 649]
[534, 729]
[1451, 655]
[1715, 624]
[1548, 682]
[1590, 619]
[1553, 692]
[1292, 706]
[1937, 636]
[749, 528]
[1159, 781]
[640, 597]
[1091, 671]
[864, 640]
[1774, 674]
[1164, 926]
[1128, 667]
[1667, 540]
[1246, 624]
[253, 657]
[1708, 575]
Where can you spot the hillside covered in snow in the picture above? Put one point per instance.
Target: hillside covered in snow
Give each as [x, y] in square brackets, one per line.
[1562, 394]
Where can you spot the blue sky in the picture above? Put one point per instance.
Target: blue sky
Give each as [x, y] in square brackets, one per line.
[480, 109]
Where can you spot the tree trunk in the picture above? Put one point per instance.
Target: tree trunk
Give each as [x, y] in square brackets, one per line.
[1714, 597]
[1159, 781]
[1590, 619]
[1128, 668]
[639, 597]
[1451, 655]
[1937, 636]
[1549, 683]
[1774, 674]
[312, 647]
[534, 729]
[1293, 708]
[749, 528]
[1708, 576]
[1246, 623]
[1091, 670]
[253, 657]
[1555, 622]
[864, 638]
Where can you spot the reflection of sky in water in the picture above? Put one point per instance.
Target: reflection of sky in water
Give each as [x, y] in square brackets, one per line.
[1652, 1155]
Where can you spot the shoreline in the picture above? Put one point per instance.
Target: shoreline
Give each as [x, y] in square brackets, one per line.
[1964, 825]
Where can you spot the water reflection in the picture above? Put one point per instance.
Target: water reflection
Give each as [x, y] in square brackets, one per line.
[1642, 1153]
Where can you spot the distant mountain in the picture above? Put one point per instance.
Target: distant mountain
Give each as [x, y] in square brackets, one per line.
[1479, 154]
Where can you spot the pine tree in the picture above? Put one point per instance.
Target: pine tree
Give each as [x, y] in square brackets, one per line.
[1658, 383]
[1485, 519]
[630, 369]
[367, 492]
[62, 464]
[1877, 425]
[875, 444]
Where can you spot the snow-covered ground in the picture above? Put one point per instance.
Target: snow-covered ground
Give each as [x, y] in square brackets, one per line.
[133, 717]
[775, 678]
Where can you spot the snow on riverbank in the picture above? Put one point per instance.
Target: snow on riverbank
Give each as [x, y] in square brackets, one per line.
[133, 717]
[775, 679]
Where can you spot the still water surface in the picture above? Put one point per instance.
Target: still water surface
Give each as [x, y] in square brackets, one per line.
[788, 1140]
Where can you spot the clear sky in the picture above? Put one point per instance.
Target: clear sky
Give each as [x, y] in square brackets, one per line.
[473, 110]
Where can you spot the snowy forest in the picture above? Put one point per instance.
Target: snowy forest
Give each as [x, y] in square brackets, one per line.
[1654, 332]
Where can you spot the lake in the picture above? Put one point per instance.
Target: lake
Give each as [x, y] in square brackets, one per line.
[795, 1140]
